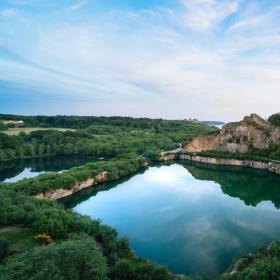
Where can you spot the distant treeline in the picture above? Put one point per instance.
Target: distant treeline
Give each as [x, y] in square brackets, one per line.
[86, 121]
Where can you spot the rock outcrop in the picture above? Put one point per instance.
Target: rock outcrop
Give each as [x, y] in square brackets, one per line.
[252, 132]
[61, 192]
[271, 166]
[202, 143]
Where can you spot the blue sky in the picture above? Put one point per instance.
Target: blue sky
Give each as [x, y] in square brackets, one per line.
[209, 59]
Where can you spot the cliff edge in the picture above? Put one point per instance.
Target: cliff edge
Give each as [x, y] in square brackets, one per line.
[253, 132]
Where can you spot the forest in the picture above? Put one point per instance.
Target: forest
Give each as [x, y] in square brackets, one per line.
[104, 137]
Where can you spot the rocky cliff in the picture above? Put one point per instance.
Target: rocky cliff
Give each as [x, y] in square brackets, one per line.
[271, 166]
[64, 192]
[252, 132]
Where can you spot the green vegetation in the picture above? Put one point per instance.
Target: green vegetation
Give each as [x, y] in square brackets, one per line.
[57, 243]
[40, 239]
[79, 122]
[266, 155]
[3, 127]
[104, 137]
[52, 262]
[17, 238]
[81, 249]
[115, 168]
[275, 119]
[27, 130]
[265, 265]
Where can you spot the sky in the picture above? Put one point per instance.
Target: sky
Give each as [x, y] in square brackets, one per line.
[175, 59]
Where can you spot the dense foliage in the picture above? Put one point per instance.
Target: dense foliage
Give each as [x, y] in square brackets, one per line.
[114, 136]
[263, 266]
[275, 119]
[3, 127]
[52, 262]
[82, 248]
[86, 121]
[114, 168]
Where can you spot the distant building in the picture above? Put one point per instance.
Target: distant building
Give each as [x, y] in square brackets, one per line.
[14, 122]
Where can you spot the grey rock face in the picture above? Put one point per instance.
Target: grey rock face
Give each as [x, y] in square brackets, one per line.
[252, 132]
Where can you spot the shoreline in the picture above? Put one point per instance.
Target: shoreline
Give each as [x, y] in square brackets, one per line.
[95, 181]
[271, 166]
[235, 267]
[61, 193]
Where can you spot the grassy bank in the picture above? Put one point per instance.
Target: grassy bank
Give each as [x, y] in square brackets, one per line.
[27, 130]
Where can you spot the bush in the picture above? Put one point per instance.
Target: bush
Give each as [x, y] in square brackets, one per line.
[4, 248]
[275, 119]
[43, 238]
[139, 270]
[3, 127]
[70, 260]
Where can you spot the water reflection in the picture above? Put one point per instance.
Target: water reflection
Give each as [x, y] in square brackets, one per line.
[251, 186]
[192, 218]
[13, 171]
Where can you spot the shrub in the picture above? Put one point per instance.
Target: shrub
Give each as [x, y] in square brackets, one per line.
[275, 119]
[4, 248]
[139, 270]
[43, 238]
[71, 260]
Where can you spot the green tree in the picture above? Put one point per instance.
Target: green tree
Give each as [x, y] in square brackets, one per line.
[275, 119]
[70, 260]
[4, 248]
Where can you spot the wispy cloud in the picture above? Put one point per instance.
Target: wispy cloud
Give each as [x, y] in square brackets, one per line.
[158, 61]
[78, 5]
[202, 15]
[8, 12]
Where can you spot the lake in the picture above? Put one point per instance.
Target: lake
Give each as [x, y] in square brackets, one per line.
[192, 218]
[13, 171]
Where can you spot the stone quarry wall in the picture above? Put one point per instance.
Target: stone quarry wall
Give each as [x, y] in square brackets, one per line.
[252, 132]
[102, 177]
[270, 166]
[61, 193]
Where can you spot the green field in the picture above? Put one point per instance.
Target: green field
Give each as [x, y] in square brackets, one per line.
[19, 238]
[17, 130]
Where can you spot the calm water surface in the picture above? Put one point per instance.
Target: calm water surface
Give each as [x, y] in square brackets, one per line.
[16, 170]
[191, 218]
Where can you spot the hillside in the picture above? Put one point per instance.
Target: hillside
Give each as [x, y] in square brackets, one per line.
[252, 133]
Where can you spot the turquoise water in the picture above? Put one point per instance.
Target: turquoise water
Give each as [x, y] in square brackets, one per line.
[191, 218]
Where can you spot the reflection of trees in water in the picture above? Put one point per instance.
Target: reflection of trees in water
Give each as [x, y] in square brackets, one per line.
[73, 200]
[11, 169]
[251, 186]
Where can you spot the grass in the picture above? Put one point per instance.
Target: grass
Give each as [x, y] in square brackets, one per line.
[19, 238]
[17, 130]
